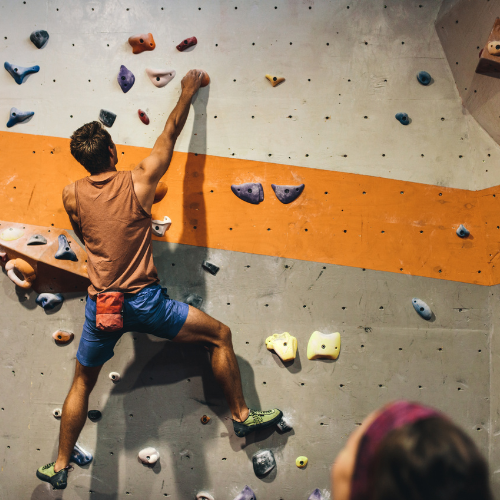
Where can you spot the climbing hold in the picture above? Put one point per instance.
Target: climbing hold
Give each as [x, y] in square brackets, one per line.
[462, 231]
[39, 38]
[423, 77]
[37, 239]
[22, 267]
[422, 308]
[140, 43]
[287, 194]
[160, 192]
[107, 117]
[188, 42]
[283, 344]
[203, 495]
[49, 300]
[62, 337]
[17, 116]
[143, 117]
[284, 425]
[149, 456]
[64, 251]
[57, 412]
[316, 495]
[263, 462]
[251, 192]
[194, 300]
[246, 494]
[11, 233]
[323, 345]
[211, 268]
[205, 79]
[94, 415]
[114, 376]
[275, 80]
[403, 118]
[125, 78]
[161, 226]
[19, 73]
[160, 77]
[494, 48]
[205, 419]
[80, 456]
[301, 462]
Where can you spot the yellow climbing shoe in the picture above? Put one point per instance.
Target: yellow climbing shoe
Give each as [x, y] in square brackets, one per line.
[257, 420]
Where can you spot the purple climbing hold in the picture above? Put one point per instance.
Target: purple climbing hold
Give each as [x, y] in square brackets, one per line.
[287, 194]
[17, 116]
[126, 79]
[107, 117]
[64, 251]
[49, 300]
[316, 495]
[19, 73]
[251, 192]
[263, 462]
[39, 38]
[246, 494]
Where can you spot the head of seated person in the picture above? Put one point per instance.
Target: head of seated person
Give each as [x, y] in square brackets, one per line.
[406, 451]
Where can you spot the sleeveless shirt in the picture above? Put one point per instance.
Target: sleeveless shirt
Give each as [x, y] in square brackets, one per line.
[117, 234]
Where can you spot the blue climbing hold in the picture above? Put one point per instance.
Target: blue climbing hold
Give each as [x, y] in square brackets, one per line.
[424, 78]
[263, 462]
[462, 231]
[37, 239]
[126, 79]
[64, 252]
[246, 494]
[287, 194]
[49, 300]
[39, 38]
[17, 116]
[315, 495]
[403, 118]
[422, 308]
[19, 73]
[80, 456]
[251, 192]
[107, 117]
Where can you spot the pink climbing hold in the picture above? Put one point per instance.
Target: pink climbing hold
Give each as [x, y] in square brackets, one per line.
[188, 42]
[143, 116]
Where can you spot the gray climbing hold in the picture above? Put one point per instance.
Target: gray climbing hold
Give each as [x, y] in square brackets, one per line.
[65, 252]
[287, 194]
[251, 192]
[37, 239]
[94, 415]
[424, 78]
[422, 308]
[246, 494]
[283, 425]
[403, 118]
[194, 300]
[20, 73]
[211, 268]
[462, 231]
[263, 462]
[39, 38]
[315, 495]
[17, 116]
[126, 79]
[49, 300]
[107, 117]
[80, 456]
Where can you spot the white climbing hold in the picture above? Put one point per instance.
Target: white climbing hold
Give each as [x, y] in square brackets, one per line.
[161, 226]
[323, 345]
[114, 376]
[422, 308]
[283, 344]
[160, 77]
[57, 412]
[203, 495]
[149, 456]
[11, 233]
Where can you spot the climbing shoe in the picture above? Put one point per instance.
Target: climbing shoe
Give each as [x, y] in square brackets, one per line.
[257, 420]
[58, 480]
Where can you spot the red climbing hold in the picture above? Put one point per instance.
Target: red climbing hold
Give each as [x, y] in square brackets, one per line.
[188, 42]
[143, 42]
[143, 116]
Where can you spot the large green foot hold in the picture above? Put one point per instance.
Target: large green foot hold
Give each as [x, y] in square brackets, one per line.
[58, 480]
[257, 420]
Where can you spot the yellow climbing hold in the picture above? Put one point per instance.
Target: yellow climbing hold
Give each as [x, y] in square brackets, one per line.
[11, 233]
[323, 345]
[301, 462]
[283, 344]
[275, 80]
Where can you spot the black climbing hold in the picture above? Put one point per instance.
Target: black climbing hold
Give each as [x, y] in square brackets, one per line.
[424, 78]
[283, 425]
[94, 415]
[194, 300]
[19, 73]
[462, 231]
[126, 79]
[251, 192]
[403, 118]
[211, 268]
[422, 308]
[107, 117]
[65, 252]
[39, 38]
[263, 462]
[246, 494]
[315, 495]
[17, 116]
[49, 300]
[287, 194]
[37, 239]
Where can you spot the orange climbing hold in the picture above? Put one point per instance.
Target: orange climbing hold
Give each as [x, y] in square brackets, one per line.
[62, 337]
[141, 43]
[489, 62]
[161, 191]
[275, 80]
[205, 79]
[205, 419]
[22, 267]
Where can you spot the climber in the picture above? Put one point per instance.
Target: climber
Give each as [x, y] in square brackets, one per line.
[110, 212]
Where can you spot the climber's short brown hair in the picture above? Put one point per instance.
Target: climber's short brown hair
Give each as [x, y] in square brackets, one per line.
[89, 145]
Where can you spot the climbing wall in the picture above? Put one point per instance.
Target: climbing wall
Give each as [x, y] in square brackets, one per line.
[374, 227]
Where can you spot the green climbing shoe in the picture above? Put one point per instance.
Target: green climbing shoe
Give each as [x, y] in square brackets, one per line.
[58, 480]
[257, 420]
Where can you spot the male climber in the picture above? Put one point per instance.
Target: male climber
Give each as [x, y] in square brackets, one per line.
[110, 212]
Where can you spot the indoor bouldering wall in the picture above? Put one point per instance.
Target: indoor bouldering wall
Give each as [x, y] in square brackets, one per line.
[374, 228]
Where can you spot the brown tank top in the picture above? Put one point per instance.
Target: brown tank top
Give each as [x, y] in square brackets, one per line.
[117, 234]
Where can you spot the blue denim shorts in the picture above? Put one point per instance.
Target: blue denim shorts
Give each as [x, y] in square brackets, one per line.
[148, 311]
